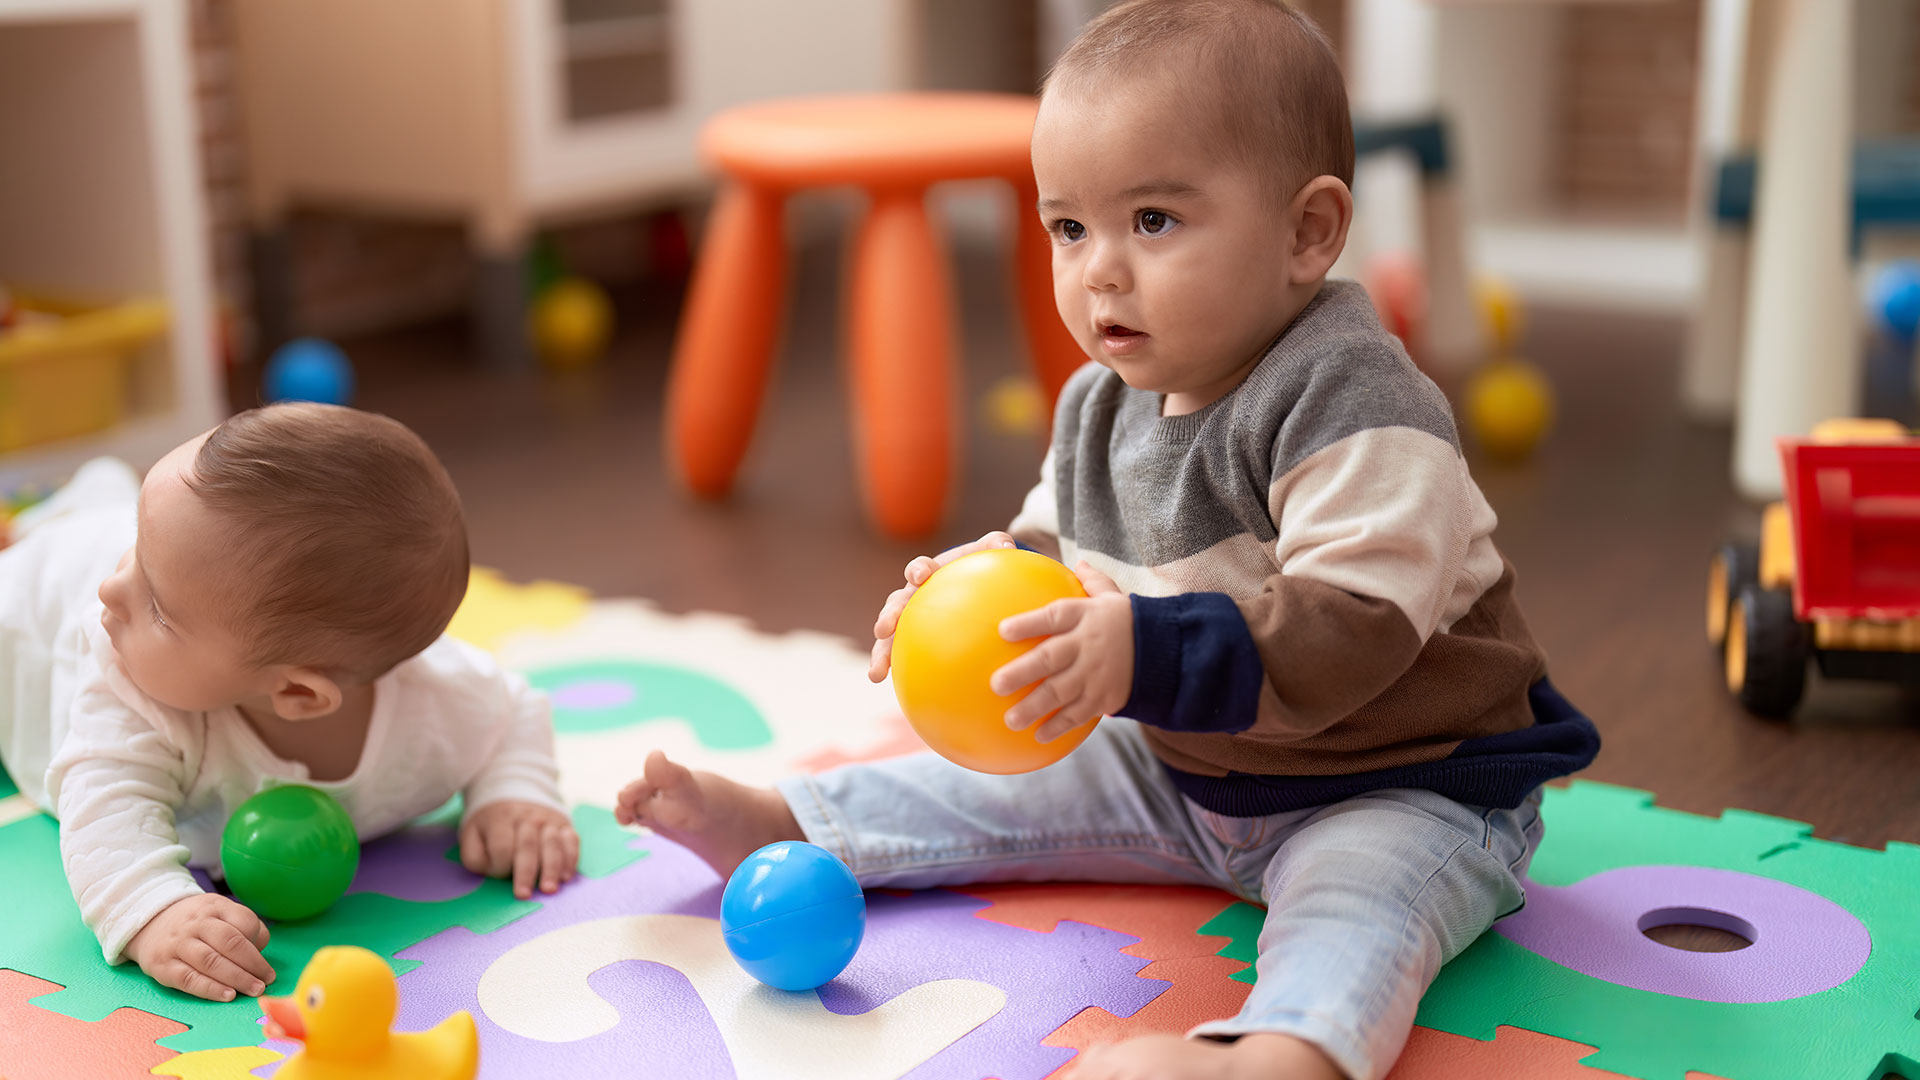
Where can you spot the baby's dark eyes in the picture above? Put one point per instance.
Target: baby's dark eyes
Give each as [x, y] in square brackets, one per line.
[1153, 222]
[1069, 230]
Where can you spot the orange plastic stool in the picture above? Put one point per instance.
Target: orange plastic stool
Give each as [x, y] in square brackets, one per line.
[900, 317]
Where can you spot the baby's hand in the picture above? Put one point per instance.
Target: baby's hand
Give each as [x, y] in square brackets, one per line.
[918, 571]
[522, 840]
[1085, 667]
[207, 945]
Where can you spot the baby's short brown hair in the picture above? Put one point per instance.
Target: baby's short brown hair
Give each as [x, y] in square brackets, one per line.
[1263, 77]
[349, 533]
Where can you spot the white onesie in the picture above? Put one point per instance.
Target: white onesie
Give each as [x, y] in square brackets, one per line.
[142, 790]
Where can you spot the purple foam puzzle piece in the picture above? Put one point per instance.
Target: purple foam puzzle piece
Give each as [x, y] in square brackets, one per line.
[674, 881]
[1048, 978]
[1803, 943]
[592, 694]
[412, 865]
[665, 1029]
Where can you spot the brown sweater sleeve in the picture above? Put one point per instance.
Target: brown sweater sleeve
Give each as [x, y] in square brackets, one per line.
[1325, 651]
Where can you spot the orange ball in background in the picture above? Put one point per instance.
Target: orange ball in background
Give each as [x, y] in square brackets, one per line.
[1397, 285]
[948, 645]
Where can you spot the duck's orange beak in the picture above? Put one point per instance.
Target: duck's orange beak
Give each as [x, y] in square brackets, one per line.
[283, 1020]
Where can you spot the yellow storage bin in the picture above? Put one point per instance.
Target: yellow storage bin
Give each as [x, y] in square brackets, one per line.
[66, 377]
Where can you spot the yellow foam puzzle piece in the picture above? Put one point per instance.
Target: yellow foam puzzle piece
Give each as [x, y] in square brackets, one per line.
[495, 607]
[229, 1063]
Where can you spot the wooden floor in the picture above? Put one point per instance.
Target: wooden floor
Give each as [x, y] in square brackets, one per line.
[1610, 527]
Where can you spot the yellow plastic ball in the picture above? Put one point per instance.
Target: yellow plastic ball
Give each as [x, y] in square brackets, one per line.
[948, 645]
[1501, 312]
[1014, 406]
[1509, 407]
[571, 322]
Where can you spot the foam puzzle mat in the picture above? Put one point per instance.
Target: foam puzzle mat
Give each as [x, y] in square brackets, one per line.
[623, 971]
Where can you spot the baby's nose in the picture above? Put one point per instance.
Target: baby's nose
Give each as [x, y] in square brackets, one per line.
[113, 593]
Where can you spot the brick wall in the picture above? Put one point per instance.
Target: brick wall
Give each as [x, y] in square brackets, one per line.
[1627, 101]
[351, 273]
[223, 159]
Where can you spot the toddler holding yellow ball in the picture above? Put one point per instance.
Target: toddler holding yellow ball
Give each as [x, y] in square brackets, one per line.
[1331, 702]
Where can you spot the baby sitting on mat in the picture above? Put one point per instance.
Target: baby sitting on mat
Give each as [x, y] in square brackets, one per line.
[1332, 703]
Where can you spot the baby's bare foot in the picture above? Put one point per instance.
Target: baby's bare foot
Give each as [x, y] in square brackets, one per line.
[721, 821]
[1170, 1057]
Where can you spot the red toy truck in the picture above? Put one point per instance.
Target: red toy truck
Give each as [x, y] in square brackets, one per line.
[1836, 575]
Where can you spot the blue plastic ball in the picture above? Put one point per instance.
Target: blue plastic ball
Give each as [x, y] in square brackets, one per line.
[793, 915]
[1896, 299]
[309, 369]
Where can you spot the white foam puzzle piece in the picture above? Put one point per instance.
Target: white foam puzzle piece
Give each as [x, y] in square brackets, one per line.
[812, 689]
[16, 808]
[539, 990]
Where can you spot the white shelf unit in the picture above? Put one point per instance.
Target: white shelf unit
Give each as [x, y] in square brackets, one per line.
[1493, 69]
[513, 115]
[101, 197]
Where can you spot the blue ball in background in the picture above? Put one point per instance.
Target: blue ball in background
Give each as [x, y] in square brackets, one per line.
[1896, 299]
[309, 369]
[793, 915]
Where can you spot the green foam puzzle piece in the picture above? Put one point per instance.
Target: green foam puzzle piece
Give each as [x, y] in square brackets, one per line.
[55, 945]
[605, 845]
[1859, 1030]
[47, 939]
[721, 717]
[1241, 923]
[7, 786]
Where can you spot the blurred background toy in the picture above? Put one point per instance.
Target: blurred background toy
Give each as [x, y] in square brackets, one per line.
[1399, 290]
[948, 645]
[1507, 406]
[309, 369]
[793, 915]
[1508, 409]
[570, 323]
[343, 1010]
[1896, 298]
[1014, 405]
[289, 852]
[1893, 320]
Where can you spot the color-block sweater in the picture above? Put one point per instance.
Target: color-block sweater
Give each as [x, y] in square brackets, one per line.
[1319, 608]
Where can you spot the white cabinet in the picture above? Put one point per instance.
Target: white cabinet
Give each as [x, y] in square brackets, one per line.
[510, 114]
[101, 198]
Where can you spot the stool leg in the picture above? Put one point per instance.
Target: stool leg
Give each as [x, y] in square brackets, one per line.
[725, 343]
[1055, 354]
[900, 333]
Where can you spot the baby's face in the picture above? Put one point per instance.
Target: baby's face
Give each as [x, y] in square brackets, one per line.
[1170, 260]
[164, 601]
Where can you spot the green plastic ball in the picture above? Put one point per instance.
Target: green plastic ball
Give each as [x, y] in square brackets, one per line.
[289, 852]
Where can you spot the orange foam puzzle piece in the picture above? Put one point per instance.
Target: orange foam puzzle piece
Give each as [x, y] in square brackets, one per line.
[1166, 919]
[899, 741]
[38, 1044]
[1440, 1055]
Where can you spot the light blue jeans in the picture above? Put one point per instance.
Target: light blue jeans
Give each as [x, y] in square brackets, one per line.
[1365, 898]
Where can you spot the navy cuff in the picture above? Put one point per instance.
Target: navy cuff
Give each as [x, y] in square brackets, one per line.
[1195, 667]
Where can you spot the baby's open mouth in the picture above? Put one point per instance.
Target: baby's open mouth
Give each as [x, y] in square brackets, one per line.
[1116, 330]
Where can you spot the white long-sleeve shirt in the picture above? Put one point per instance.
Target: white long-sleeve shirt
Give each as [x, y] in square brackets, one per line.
[143, 791]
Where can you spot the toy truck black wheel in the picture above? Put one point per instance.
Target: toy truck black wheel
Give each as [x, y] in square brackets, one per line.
[1766, 652]
[1735, 566]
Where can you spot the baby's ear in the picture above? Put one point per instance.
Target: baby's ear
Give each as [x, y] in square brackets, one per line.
[1322, 213]
[304, 693]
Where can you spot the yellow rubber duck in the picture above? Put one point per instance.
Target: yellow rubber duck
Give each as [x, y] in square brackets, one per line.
[343, 1011]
